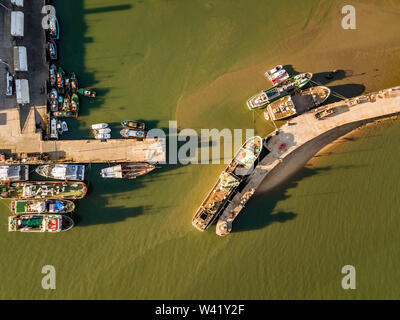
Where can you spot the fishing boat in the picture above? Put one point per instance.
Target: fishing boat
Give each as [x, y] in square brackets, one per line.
[75, 103]
[52, 47]
[40, 223]
[53, 128]
[87, 93]
[60, 99]
[43, 190]
[74, 82]
[62, 171]
[296, 104]
[127, 170]
[133, 134]
[131, 124]
[64, 126]
[14, 173]
[235, 173]
[53, 75]
[289, 86]
[54, 28]
[60, 78]
[67, 85]
[42, 206]
[66, 103]
[63, 114]
[277, 75]
[98, 126]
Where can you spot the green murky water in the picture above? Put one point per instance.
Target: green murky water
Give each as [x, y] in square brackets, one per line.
[134, 239]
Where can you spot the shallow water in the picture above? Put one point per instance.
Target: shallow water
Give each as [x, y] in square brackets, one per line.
[198, 62]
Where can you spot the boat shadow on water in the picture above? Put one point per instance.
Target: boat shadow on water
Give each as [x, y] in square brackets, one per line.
[326, 77]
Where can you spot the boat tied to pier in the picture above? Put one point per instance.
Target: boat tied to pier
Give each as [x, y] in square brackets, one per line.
[60, 78]
[62, 171]
[53, 206]
[40, 223]
[14, 173]
[133, 133]
[296, 104]
[289, 86]
[127, 170]
[235, 173]
[43, 190]
[131, 124]
[54, 28]
[53, 75]
[52, 47]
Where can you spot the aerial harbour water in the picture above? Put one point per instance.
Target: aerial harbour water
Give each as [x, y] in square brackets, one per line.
[133, 239]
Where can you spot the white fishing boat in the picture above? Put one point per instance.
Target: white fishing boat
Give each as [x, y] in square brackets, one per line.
[62, 171]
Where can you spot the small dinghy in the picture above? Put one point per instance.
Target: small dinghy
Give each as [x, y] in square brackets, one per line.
[103, 136]
[102, 131]
[59, 127]
[98, 126]
[64, 126]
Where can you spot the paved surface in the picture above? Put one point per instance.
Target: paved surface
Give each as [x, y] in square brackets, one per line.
[35, 42]
[303, 129]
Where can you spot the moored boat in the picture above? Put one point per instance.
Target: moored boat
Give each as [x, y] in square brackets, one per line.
[98, 126]
[133, 134]
[102, 136]
[102, 131]
[87, 93]
[62, 171]
[40, 223]
[127, 170]
[14, 173]
[235, 173]
[53, 75]
[75, 103]
[42, 206]
[54, 28]
[52, 47]
[277, 75]
[131, 124]
[289, 86]
[64, 126]
[43, 190]
[296, 104]
[60, 78]
[74, 82]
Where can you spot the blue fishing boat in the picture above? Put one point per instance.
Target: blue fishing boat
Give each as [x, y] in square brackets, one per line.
[54, 29]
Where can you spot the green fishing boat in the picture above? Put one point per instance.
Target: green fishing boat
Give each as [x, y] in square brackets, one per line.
[87, 93]
[43, 190]
[40, 223]
[289, 86]
[75, 104]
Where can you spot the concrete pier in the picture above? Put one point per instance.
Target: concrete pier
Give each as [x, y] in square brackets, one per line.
[303, 129]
